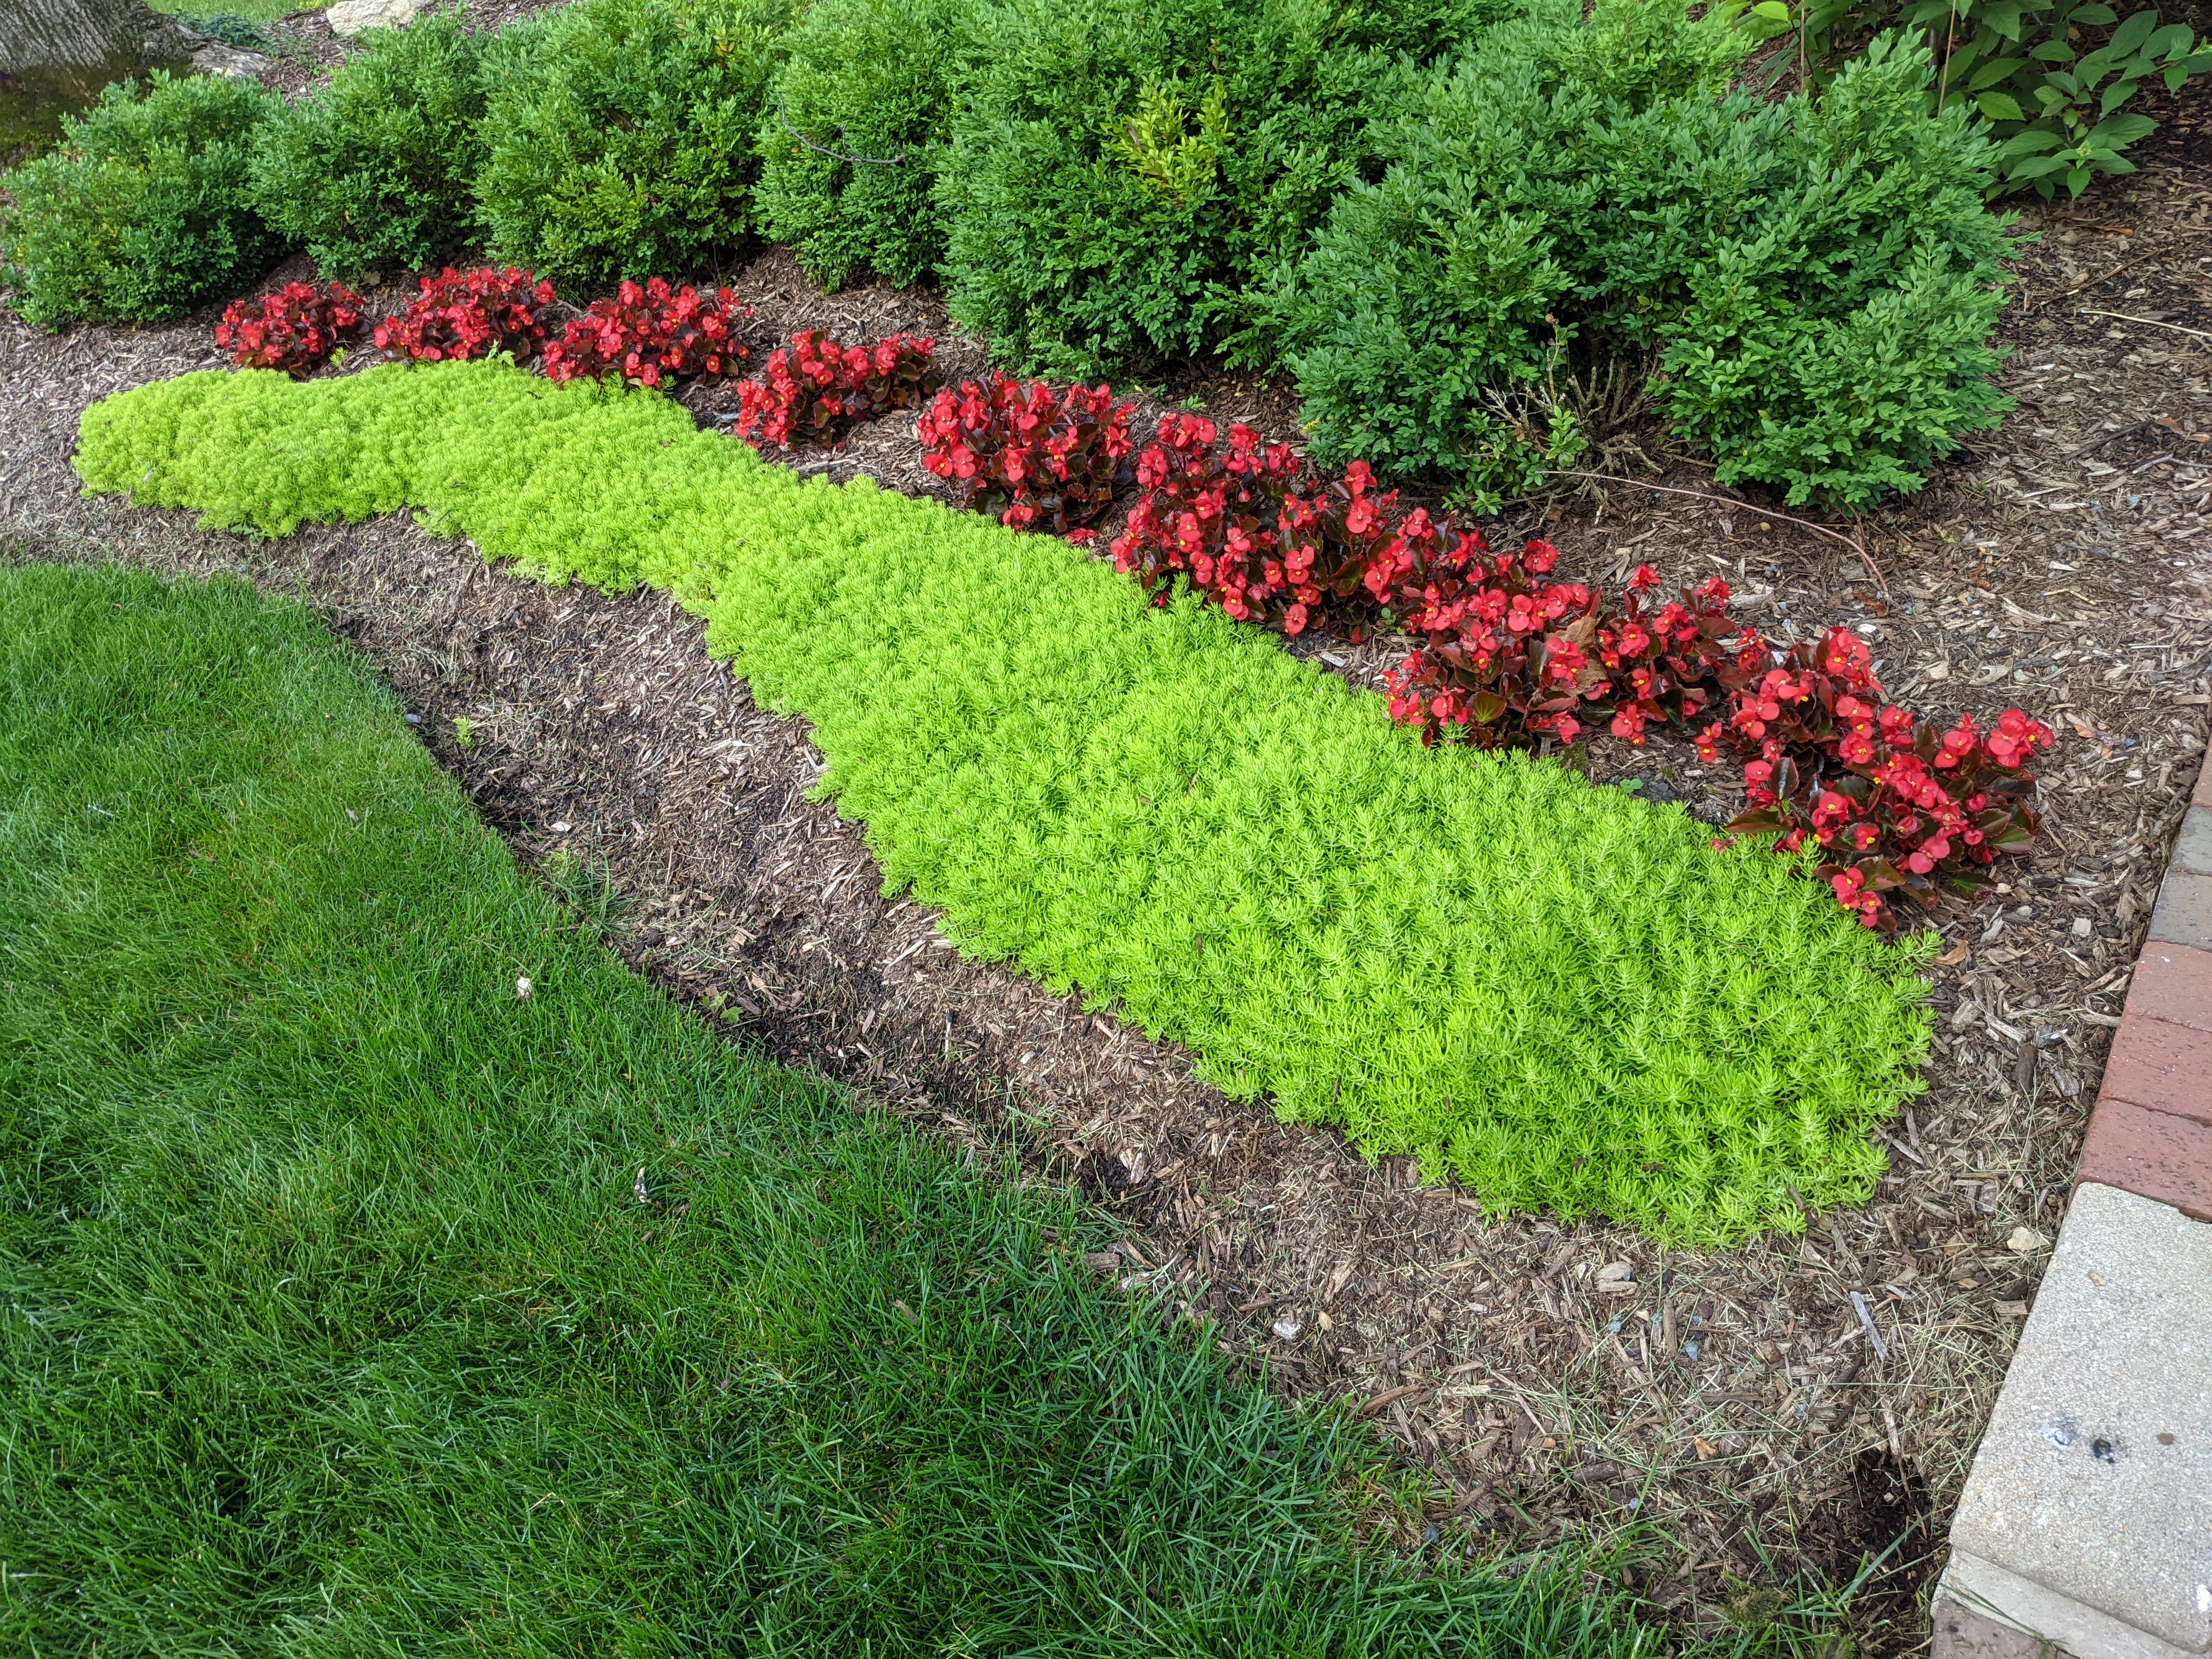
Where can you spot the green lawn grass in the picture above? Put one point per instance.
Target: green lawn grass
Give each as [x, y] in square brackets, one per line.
[335, 1323]
[199, 14]
[1560, 995]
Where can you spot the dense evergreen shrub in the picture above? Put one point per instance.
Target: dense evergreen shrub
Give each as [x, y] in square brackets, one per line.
[1841, 296]
[855, 127]
[1819, 275]
[142, 213]
[620, 135]
[1119, 173]
[376, 169]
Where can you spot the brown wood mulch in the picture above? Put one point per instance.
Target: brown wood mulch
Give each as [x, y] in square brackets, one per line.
[1548, 1376]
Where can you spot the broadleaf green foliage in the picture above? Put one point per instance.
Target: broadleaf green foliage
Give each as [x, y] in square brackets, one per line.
[853, 136]
[335, 1324]
[1559, 994]
[1117, 173]
[378, 168]
[620, 135]
[2051, 78]
[1820, 275]
[142, 213]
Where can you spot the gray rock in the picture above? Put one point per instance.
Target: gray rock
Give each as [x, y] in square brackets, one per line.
[351, 17]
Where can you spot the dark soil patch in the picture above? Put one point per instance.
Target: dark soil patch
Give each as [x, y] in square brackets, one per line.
[2060, 563]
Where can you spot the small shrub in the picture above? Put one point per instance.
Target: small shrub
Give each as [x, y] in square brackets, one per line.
[473, 315]
[1842, 281]
[375, 168]
[1818, 276]
[816, 389]
[853, 133]
[650, 334]
[143, 212]
[620, 135]
[1118, 175]
[295, 329]
[1440, 296]
[1034, 456]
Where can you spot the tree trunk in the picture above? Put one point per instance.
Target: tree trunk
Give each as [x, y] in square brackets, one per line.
[82, 33]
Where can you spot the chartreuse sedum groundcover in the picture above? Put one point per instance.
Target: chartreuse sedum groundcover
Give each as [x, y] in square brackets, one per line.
[1556, 993]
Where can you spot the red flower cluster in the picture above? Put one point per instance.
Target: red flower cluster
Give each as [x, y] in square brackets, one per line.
[1213, 516]
[1029, 453]
[471, 315]
[650, 334]
[1896, 804]
[1507, 655]
[1260, 536]
[817, 390]
[294, 328]
[1666, 667]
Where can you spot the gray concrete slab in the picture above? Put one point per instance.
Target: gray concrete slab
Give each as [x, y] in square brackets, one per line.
[1982, 1612]
[2095, 1478]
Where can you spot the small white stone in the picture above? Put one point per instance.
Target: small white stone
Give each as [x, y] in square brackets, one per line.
[2025, 1239]
[351, 17]
[2081, 929]
[522, 989]
[1288, 1327]
[561, 826]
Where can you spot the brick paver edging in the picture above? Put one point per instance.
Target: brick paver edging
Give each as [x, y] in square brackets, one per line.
[2106, 1552]
[2151, 1132]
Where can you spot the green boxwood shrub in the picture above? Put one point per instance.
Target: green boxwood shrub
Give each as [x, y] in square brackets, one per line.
[1118, 173]
[377, 168]
[143, 212]
[855, 129]
[1837, 336]
[1817, 277]
[620, 136]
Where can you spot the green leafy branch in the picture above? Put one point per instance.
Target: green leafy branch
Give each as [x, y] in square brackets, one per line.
[2048, 78]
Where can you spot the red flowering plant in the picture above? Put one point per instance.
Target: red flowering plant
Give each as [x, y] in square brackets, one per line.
[294, 329]
[1667, 666]
[1213, 517]
[1034, 456]
[1343, 558]
[1257, 534]
[473, 315]
[1506, 655]
[816, 390]
[1895, 804]
[653, 335]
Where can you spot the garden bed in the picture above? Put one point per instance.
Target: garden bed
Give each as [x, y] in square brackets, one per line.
[1490, 1350]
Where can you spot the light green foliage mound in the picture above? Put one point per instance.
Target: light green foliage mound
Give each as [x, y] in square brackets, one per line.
[620, 136]
[1556, 993]
[335, 1325]
[377, 169]
[1819, 278]
[141, 213]
[851, 142]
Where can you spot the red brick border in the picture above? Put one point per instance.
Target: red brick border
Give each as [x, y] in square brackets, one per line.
[2151, 1133]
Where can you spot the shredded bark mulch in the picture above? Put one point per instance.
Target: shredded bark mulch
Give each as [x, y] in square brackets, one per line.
[1813, 1399]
